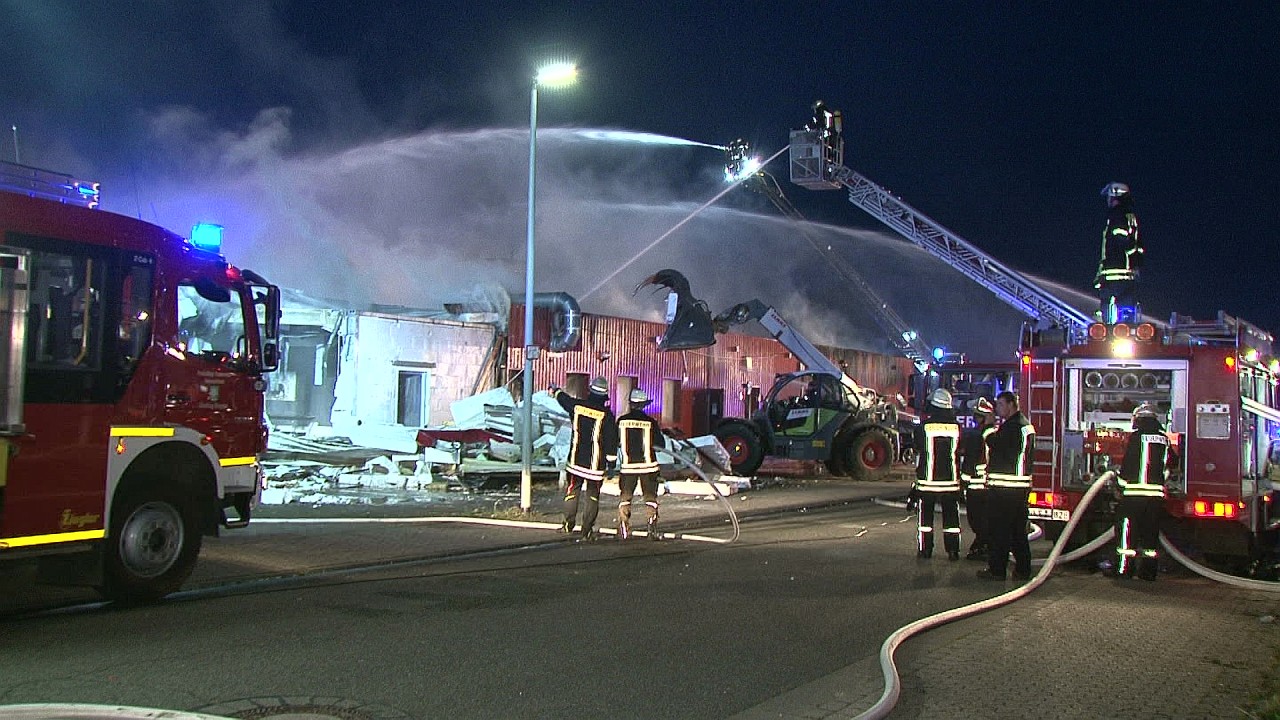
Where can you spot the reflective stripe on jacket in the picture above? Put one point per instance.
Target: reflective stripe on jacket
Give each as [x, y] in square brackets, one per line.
[1142, 474]
[638, 436]
[973, 456]
[936, 470]
[1011, 448]
[593, 447]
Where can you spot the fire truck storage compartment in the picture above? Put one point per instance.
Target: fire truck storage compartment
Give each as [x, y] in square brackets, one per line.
[1101, 394]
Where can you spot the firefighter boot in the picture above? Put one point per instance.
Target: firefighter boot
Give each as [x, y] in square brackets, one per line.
[566, 526]
[1147, 568]
[624, 522]
[654, 533]
[588, 534]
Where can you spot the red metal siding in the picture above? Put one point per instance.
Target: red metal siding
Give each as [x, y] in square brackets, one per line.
[620, 347]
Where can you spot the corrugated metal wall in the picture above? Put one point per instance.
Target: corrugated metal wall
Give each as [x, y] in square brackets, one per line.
[620, 347]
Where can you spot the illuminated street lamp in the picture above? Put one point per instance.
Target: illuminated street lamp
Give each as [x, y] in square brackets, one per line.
[553, 75]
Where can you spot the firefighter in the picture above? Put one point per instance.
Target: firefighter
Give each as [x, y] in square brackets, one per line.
[937, 476]
[1009, 453]
[1121, 257]
[593, 453]
[638, 437]
[973, 475]
[1141, 489]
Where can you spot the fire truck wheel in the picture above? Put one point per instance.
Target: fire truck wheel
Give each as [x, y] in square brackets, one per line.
[743, 445]
[869, 455]
[153, 543]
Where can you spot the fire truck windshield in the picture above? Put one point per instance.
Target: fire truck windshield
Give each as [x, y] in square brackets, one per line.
[209, 324]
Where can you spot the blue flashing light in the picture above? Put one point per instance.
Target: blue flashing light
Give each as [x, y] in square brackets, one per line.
[939, 353]
[207, 236]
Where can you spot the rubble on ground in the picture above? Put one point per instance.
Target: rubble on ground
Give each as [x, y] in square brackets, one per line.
[323, 466]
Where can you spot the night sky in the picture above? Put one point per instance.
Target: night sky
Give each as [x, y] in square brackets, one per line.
[356, 150]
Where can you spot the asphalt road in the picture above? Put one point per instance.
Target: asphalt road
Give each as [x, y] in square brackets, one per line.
[678, 629]
[786, 622]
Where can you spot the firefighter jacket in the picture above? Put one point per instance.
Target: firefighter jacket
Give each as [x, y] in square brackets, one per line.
[973, 456]
[938, 438]
[638, 436]
[593, 446]
[1009, 453]
[1121, 247]
[1142, 473]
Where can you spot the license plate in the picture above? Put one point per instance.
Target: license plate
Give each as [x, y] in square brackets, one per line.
[1048, 514]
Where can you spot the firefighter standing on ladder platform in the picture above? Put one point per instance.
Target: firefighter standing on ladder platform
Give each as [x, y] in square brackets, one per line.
[593, 453]
[937, 475]
[1141, 489]
[1121, 257]
[1008, 481]
[638, 436]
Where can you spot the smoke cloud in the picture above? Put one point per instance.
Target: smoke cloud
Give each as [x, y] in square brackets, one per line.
[440, 217]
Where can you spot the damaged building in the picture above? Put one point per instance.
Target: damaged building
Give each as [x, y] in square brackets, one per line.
[378, 375]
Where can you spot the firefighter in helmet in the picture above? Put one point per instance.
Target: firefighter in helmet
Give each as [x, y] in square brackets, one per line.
[593, 453]
[1009, 457]
[973, 475]
[1121, 257]
[639, 436]
[1141, 487]
[937, 475]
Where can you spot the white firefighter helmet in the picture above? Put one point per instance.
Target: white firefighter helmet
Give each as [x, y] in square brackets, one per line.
[599, 386]
[638, 397]
[940, 398]
[1145, 409]
[983, 406]
[1115, 190]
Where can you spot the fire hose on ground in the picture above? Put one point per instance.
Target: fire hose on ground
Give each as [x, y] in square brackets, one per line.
[892, 690]
[892, 683]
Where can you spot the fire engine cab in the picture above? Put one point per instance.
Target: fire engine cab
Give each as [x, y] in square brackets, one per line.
[1215, 387]
[131, 389]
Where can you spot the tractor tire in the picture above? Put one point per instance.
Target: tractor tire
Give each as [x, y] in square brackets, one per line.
[868, 455]
[746, 452]
[152, 544]
[834, 464]
[839, 450]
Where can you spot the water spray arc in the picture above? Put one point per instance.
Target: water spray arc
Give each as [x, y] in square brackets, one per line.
[675, 227]
[641, 138]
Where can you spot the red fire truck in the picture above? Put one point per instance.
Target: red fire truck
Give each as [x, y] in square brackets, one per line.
[131, 389]
[1215, 385]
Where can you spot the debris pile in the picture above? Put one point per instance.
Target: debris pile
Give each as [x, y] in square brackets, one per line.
[479, 449]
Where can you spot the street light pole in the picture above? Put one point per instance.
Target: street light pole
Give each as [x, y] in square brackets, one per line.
[551, 75]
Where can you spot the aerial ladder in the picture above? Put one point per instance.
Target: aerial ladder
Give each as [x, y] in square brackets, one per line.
[817, 163]
[740, 165]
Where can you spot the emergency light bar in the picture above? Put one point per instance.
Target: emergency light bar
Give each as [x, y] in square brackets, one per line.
[49, 185]
[1142, 332]
[207, 236]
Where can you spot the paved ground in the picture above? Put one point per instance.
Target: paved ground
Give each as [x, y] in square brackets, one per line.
[1081, 645]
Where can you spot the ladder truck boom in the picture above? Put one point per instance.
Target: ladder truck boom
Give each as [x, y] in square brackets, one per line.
[816, 163]
[906, 340]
